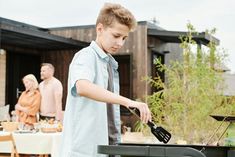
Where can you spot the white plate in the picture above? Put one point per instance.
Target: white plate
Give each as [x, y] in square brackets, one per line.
[25, 131]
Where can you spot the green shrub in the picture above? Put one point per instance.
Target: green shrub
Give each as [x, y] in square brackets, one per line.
[193, 90]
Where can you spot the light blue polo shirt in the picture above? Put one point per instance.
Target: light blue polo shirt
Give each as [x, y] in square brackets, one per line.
[85, 120]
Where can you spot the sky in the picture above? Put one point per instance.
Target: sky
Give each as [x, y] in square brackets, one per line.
[170, 14]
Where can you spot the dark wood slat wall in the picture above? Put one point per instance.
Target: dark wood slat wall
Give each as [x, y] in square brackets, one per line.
[135, 46]
[86, 34]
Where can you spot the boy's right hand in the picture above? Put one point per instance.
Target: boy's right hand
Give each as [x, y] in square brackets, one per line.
[145, 114]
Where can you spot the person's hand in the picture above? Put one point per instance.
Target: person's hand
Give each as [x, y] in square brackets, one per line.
[20, 108]
[25, 110]
[145, 114]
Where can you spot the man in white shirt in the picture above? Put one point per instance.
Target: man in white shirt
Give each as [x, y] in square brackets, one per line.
[51, 91]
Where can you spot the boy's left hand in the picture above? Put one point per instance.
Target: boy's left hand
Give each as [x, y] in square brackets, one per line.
[145, 114]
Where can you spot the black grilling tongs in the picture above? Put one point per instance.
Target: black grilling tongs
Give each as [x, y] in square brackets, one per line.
[160, 133]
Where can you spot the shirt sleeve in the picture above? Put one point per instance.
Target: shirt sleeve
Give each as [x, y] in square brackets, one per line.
[83, 67]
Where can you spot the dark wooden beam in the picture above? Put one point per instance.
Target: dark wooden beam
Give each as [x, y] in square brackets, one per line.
[14, 33]
[174, 36]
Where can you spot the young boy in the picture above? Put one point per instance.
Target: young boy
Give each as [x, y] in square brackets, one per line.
[92, 116]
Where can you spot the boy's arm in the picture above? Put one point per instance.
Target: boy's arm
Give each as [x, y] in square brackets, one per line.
[87, 89]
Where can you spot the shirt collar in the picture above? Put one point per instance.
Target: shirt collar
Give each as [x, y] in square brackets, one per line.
[98, 50]
[103, 55]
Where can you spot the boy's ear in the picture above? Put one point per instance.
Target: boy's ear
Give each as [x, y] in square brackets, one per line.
[99, 28]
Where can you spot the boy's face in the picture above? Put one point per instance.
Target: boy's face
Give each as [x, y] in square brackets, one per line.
[111, 38]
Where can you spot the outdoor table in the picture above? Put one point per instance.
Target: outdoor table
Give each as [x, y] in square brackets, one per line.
[33, 143]
[230, 140]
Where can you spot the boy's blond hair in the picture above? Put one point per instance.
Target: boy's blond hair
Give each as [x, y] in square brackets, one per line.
[115, 12]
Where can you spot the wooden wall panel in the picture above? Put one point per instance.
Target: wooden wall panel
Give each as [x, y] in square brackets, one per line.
[139, 61]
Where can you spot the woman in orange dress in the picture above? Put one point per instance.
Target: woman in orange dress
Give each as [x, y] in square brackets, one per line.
[29, 101]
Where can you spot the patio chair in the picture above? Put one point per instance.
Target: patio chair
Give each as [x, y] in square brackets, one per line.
[4, 113]
[6, 138]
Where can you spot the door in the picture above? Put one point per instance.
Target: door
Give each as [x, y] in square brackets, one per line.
[155, 71]
[19, 65]
[125, 77]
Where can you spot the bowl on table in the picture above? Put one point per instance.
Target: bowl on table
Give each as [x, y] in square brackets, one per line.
[49, 127]
[10, 126]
